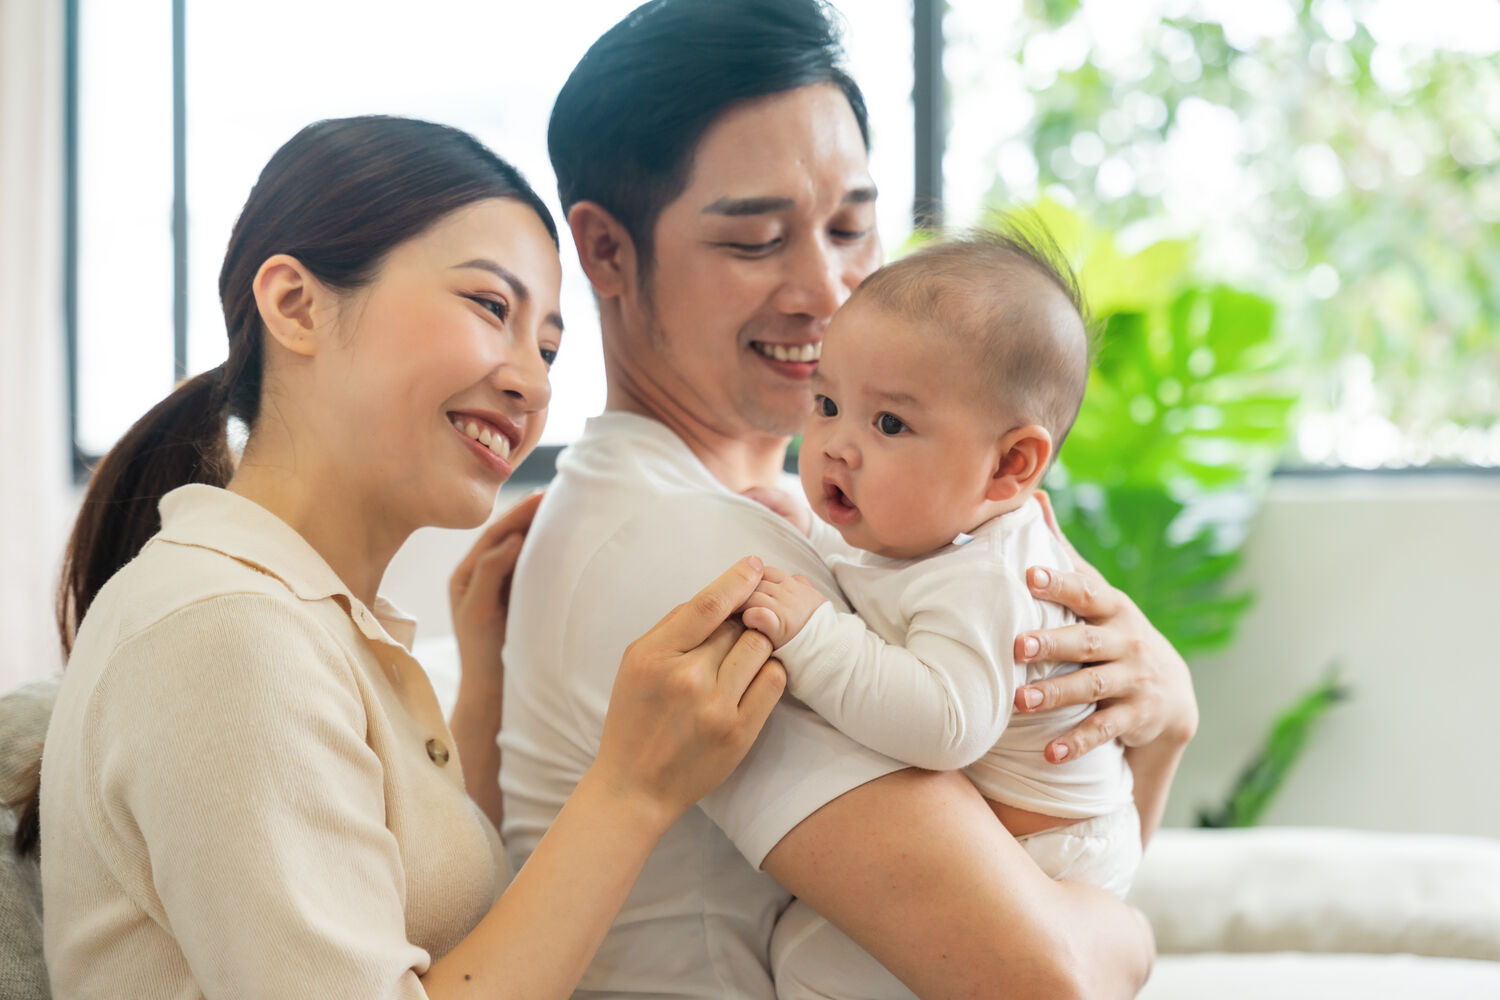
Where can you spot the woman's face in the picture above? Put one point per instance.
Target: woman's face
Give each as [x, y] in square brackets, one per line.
[438, 379]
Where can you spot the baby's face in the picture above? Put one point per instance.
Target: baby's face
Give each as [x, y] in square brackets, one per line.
[898, 450]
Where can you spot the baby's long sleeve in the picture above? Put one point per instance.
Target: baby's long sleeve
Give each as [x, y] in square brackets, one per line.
[942, 698]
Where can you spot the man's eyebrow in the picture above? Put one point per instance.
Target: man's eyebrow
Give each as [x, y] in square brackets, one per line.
[736, 207]
[510, 278]
[748, 206]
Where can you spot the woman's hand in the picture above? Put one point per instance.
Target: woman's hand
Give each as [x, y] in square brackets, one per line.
[689, 700]
[1141, 684]
[479, 595]
[479, 592]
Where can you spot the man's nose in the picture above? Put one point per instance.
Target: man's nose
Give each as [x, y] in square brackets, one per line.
[814, 284]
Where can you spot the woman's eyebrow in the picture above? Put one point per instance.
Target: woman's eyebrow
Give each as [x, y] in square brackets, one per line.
[510, 278]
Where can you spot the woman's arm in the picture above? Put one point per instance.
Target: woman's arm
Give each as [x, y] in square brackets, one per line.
[479, 596]
[690, 698]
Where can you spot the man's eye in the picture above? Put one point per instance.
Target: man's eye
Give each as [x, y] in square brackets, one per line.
[890, 424]
[754, 249]
[825, 406]
[549, 355]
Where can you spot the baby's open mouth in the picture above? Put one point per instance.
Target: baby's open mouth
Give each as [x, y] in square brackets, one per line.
[837, 498]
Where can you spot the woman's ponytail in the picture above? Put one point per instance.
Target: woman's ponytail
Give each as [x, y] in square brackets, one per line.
[180, 440]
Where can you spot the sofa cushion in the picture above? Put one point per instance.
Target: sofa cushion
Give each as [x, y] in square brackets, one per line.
[1285, 889]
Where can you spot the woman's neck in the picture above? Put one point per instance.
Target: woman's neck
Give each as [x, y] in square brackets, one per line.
[355, 541]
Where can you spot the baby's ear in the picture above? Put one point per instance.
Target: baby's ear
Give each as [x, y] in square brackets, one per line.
[1023, 457]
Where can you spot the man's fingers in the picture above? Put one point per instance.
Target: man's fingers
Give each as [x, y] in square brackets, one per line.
[1069, 644]
[1081, 687]
[687, 625]
[1095, 731]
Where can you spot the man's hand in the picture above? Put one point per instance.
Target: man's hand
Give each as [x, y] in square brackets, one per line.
[1142, 686]
[781, 606]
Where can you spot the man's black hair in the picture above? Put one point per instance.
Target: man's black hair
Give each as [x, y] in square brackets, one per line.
[629, 119]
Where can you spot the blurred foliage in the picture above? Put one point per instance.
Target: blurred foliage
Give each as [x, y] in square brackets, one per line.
[1186, 409]
[1257, 785]
[1348, 172]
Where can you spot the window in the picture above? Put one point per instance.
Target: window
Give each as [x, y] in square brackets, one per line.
[249, 82]
[1338, 156]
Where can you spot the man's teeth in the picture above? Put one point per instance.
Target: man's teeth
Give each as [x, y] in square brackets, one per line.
[784, 352]
[493, 440]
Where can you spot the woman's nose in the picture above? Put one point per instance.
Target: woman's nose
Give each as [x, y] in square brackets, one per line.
[524, 377]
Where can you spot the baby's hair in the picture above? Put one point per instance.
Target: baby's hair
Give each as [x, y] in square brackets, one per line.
[1010, 293]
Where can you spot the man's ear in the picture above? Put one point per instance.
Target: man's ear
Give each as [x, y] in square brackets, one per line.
[287, 296]
[1023, 456]
[605, 249]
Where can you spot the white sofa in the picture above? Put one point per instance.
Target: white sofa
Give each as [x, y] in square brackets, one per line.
[1295, 913]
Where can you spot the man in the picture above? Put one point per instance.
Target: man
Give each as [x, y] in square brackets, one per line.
[711, 158]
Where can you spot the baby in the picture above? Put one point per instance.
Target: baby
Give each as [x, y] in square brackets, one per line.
[946, 385]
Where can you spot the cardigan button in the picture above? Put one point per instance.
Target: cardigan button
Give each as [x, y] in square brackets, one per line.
[437, 752]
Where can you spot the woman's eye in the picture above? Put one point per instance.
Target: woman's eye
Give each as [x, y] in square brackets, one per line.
[549, 355]
[825, 406]
[890, 424]
[754, 249]
[498, 308]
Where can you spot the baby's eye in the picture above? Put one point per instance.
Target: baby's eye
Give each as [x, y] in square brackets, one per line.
[825, 406]
[890, 424]
[549, 355]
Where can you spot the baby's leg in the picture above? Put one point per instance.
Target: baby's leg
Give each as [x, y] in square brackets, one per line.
[1103, 851]
[813, 960]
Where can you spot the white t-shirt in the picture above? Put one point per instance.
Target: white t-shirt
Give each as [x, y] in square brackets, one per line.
[633, 525]
[924, 672]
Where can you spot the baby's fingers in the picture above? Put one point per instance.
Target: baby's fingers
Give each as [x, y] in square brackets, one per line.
[763, 620]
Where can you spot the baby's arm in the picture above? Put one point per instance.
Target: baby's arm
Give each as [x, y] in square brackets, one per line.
[938, 702]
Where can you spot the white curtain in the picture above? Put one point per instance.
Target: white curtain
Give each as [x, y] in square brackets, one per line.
[36, 495]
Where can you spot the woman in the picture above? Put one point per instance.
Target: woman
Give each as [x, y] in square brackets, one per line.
[248, 788]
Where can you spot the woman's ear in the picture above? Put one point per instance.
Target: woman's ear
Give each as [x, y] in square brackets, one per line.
[1023, 456]
[605, 249]
[288, 297]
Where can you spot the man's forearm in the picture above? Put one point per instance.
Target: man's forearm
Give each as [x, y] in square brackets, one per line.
[1153, 767]
[914, 867]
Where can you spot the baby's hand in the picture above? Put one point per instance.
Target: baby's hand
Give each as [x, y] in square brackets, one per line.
[784, 504]
[781, 606]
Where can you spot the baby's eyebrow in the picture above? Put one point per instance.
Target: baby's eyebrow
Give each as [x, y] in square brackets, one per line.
[897, 398]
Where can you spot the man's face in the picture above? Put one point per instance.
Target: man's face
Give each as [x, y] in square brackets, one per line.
[774, 230]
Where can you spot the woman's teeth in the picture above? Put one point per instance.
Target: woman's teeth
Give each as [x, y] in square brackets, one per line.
[493, 440]
[784, 352]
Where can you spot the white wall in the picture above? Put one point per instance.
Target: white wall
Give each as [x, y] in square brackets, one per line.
[1398, 579]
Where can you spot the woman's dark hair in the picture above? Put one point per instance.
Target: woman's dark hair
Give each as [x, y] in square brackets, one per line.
[630, 116]
[339, 196]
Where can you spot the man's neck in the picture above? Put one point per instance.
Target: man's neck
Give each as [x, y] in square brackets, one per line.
[737, 460]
